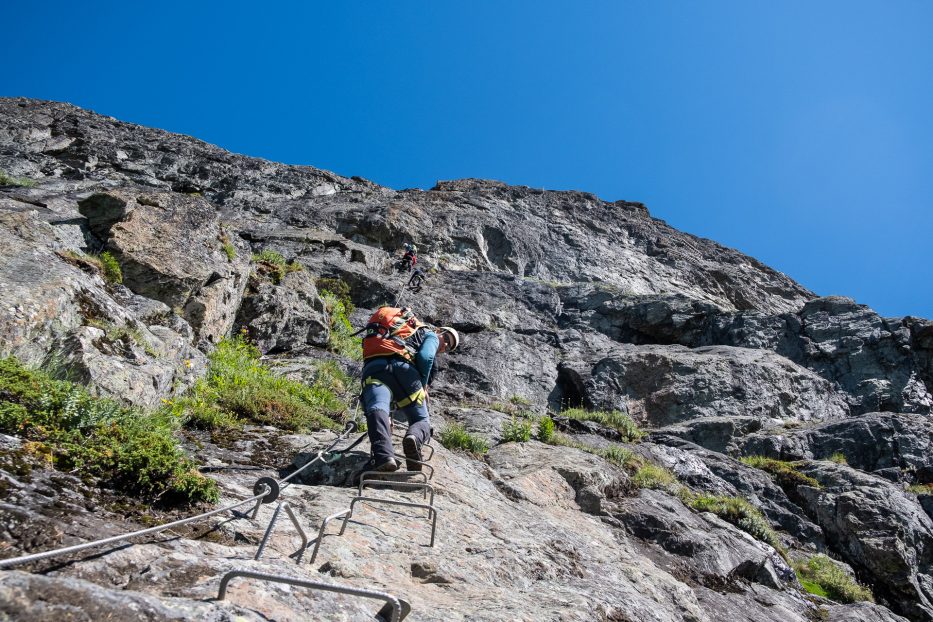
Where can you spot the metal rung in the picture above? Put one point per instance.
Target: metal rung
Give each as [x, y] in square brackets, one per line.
[320, 533]
[421, 462]
[432, 512]
[395, 485]
[389, 475]
[394, 610]
[275, 516]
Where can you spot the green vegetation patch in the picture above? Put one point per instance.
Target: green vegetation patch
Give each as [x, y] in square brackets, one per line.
[784, 472]
[455, 436]
[95, 438]
[545, 429]
[737, 511]
[616, 454]
[516, 431]
[820, 575]
[921, 489]
[228, 247]
[839, 458]
[614, 419]
[104, 264]
[339, 308]
[274, 265]
[239, 388]
[9, 180]
[110, 268]
[655, 477]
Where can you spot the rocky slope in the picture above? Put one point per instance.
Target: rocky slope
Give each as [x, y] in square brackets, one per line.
[563, 300]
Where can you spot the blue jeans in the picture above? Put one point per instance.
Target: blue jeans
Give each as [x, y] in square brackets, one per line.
[387, 380]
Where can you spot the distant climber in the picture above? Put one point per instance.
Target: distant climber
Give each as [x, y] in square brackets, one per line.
[409, 259]
[398, 354]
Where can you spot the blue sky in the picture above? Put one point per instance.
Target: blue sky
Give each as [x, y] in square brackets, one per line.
[797, 132]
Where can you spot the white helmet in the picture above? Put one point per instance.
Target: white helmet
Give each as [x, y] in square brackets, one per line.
[454, 337]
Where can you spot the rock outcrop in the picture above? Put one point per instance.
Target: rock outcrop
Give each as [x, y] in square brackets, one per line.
[562, 299]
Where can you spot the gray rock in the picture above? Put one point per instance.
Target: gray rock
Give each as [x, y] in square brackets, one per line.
[170, 248]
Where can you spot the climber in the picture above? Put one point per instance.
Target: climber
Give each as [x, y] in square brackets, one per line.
[398, 355]
[409, 259]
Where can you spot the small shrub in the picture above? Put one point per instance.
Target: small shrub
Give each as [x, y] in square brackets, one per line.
[838, 458]
[337, 287]
[110, 268]
[341, 340]
[125, 448]
[238, 387]
[455, 436]
[822, 576]
[739, 512]
[10, 180]
[545, 429]
[614, 419]
[274, 265]
[784, 472]
[516, 431]
[654, 476]
[518, 400]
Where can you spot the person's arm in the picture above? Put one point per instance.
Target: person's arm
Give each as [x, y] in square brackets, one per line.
[424, 360]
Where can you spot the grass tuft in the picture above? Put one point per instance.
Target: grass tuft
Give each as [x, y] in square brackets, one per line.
[455, 436]
[614, 419]
[921, 489]
[274, 265]
[516, 431]
[9, 180]
[110, 268]
[737, 511]
[655, 477]
[820, 575]
[96, 438]
[784, 472]
[239, 388]
[839, 458]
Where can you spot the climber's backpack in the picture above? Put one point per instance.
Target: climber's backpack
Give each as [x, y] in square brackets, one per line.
[392, 331]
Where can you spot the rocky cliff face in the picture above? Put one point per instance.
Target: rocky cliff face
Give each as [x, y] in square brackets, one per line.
[564, 301]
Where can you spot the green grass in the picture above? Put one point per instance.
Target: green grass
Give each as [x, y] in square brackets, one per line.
[455, 436]
[274, 265]
[341, 338]
[655, 477]
[614, 419]
[110, 268]
[921, 489]
[105, 264]
[621, 457]
[238, 388]
[545, 429]
[737, 511]
[10, 180]
[124, 448]
[616, 454]
[822, 576]
[784, 472]
[228, 248]
[839, 458]
[516, 431]
[518, 400]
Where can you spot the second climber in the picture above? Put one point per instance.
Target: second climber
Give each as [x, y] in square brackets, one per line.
[398, 355]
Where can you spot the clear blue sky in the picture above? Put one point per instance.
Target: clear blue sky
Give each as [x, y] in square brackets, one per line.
[798, 132]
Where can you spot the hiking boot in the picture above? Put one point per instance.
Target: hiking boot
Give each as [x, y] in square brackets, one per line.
[412, 448]
[388, 466]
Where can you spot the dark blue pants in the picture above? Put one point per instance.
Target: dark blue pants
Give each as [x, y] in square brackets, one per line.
[387, 380]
